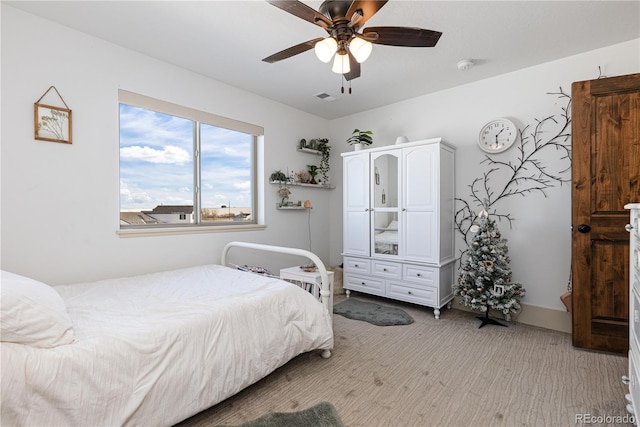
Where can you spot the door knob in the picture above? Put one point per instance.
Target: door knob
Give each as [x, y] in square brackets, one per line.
[584, 228]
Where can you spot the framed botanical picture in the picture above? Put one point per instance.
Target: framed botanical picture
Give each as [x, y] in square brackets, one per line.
[52, 123]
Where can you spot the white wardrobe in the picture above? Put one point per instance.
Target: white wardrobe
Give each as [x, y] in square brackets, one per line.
[633, 378]
[398, 232]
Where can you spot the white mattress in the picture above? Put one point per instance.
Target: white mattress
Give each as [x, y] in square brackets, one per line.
[158, 348]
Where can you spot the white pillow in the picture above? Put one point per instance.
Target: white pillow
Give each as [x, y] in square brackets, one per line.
[32, 312]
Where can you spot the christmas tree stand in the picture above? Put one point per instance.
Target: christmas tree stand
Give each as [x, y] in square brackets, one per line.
[486, 320]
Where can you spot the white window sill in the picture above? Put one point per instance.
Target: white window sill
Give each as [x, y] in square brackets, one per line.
[167, 231]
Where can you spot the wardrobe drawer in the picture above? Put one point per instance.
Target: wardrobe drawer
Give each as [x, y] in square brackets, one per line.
[634, 317]
[634, 383]
[388, 270]
[357, 265]
[364, 284]
[420, 274]
[419, 295]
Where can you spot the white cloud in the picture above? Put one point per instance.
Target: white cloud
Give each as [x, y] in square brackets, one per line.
[242, 185]
[169, 154]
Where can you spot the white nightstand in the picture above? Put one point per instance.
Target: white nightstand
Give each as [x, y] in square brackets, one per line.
[309, 281]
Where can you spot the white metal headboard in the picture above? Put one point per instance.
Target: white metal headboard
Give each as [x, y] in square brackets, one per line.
[325, 289]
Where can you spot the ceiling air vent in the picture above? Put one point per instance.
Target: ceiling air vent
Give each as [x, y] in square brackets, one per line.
[324, 96]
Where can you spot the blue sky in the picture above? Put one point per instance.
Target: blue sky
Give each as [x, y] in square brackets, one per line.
[156, 162]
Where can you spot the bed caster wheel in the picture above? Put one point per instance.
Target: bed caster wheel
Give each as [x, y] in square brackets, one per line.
[325, 354]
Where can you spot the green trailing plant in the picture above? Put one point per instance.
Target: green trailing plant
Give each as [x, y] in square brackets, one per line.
[325, 149]
[363, 137]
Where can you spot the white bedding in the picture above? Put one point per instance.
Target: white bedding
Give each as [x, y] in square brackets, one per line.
[387, 238]
[158, 348]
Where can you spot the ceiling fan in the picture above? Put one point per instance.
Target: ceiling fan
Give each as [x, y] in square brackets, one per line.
[343, 20]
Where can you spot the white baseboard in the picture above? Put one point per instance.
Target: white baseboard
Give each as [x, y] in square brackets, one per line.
[543, 317]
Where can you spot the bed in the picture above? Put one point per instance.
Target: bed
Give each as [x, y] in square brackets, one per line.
[152, 349]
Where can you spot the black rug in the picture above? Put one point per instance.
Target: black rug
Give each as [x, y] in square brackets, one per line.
[373, 313]
[321, 415]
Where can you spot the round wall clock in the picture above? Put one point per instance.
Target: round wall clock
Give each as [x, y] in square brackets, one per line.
[497, 135]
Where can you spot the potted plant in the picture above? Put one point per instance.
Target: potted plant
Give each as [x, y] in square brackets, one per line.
[360, 138]
[324, 148]
[313, 171]
[278, 176]
[284, 193]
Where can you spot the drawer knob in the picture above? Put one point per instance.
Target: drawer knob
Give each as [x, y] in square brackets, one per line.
[625, 379]
[363, 283]
[384, 269]
[409, 292]
[418, 274]
[628, 227]
[355, 265]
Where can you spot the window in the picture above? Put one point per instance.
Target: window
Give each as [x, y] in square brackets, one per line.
[183, 167]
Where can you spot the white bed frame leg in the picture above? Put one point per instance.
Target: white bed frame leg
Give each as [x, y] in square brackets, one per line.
[436, 313]
[325, 354]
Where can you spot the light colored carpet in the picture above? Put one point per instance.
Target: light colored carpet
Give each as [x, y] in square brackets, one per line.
[443, 372]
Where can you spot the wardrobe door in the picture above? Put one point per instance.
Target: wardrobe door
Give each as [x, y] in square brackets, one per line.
[356, 219]
[420, 209]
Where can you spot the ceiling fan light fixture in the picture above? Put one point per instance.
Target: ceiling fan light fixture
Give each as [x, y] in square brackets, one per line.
[326, 48]
[360, 49]
[341, 64]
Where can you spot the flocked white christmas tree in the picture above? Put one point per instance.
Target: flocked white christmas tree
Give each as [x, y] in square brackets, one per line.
[485, 282]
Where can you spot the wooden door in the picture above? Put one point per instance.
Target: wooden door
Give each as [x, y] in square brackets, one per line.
[606, 176]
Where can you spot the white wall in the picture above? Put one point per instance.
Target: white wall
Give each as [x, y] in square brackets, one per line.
[60, 202]
[540, 240]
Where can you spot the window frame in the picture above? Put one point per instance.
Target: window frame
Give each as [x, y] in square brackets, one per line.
[199, 118]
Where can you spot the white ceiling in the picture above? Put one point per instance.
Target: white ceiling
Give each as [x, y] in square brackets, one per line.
[226, 41]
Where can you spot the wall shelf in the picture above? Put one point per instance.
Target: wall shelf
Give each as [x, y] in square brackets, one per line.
[309, 150]
[300, 184]
[291, 208]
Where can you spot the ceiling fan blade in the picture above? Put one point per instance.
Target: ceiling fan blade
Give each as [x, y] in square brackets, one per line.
[402, 36]
[368, 8]
[291, 51]
[354, 68]
[302, 11]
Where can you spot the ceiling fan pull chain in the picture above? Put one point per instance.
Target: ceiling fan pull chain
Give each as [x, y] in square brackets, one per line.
[342, 83]
[349, 87]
